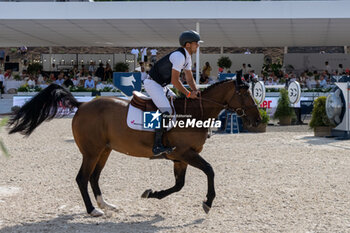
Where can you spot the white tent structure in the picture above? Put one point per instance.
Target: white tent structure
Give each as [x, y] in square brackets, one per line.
[221, 23]
[136, 24]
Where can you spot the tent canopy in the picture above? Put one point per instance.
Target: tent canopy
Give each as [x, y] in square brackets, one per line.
[136, 24]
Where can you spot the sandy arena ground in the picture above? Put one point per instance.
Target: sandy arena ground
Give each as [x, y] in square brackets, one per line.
[284, 180]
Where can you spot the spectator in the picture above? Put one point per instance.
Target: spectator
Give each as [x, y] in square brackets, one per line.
[154, 55]
[53, 68]
[91, 68]
[249, 68]
[8, 74]
[75, 81]
[31, 81]
[100, 72]
[67, 81]
[328, 68]
[23, 50]
[40, 78]
[143, 74]
[247, 52]
[144, 54]
[244, 69]
[340, 69]
[136, 53]
[252, 76]
[83, 71]
[108, 72]
[206, 71]
[89, 83]
[270, 82]
[60, 79]
[52, 78]
[322, 81]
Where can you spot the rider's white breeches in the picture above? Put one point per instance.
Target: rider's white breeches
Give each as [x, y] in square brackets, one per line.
[159, 94]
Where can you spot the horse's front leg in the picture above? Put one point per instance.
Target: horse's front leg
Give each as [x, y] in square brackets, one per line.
[179, 172]
[195, 160]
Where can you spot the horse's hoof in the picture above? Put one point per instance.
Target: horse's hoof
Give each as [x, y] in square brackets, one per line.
[146, 193]
[206, 208]
[97, 213]
[108, 206]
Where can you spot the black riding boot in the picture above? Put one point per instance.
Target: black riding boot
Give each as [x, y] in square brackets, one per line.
[159, 150]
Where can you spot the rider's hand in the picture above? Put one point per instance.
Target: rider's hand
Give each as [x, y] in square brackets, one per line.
[194, 95]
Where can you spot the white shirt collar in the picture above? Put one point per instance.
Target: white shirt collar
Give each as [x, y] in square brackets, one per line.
[187, 53]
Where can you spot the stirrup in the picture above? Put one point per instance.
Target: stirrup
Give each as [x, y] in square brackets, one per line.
[160, 152]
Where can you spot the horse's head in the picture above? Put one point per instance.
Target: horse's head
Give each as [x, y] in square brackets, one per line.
[243, 103]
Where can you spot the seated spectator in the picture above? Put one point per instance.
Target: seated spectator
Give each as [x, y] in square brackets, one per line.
[310, 81]
[24, 75]
[40, 79]
[60, 79]
[204, 79]
[252, 76]
[89, 83]
[322, 82]
[8, 74]
[52, 78]
[75, 81]
[206, 71]
[31, 82]
[270, 82]
[67, 82]
[143, 74]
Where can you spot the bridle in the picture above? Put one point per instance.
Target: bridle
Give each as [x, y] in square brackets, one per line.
[241, 112]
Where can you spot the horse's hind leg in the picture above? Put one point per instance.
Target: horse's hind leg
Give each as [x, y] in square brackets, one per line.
[94, 178]
[86, 169]
[179, 172]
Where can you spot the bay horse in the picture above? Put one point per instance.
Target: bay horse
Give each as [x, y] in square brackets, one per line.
[100, 126]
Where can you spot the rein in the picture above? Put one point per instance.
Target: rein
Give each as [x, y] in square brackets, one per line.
[240, 111]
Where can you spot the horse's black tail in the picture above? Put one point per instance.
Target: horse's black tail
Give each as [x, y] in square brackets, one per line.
[44, 106]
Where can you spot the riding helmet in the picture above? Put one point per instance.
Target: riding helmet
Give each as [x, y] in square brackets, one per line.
[188, 37]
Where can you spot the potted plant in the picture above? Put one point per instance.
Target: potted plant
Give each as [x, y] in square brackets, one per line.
[121, 67]
[284, 112]
[81, 91]
[34, 68]
[224, 62]
[319, 120]
[261, 128]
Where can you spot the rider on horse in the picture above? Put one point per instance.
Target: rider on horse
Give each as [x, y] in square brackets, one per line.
[167, 70]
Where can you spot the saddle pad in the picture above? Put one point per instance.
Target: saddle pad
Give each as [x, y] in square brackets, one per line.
[135, 119]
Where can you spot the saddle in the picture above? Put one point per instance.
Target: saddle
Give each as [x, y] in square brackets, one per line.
[142, 102]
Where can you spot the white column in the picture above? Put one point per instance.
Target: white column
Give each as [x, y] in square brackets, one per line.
[221, 50]
[285, 49]
[197, 57]
[51, 60]
[345, 49]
